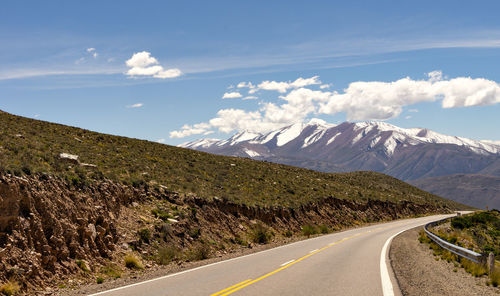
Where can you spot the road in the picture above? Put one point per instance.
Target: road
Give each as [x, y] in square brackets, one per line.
[352, 262]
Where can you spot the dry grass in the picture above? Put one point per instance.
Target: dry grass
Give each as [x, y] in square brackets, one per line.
[132, 262]
[10, 288]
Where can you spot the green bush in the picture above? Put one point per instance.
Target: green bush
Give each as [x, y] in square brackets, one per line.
[144, 235]
[200, 252]
[167, 254]
[261, 234]
[82, 265]
[309, 230]
[99, 280]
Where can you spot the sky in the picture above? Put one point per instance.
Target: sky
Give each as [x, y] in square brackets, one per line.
[176, 71]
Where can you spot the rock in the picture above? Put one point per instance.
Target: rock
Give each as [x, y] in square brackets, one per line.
[69, 157]
[93, 232]
[172, 220]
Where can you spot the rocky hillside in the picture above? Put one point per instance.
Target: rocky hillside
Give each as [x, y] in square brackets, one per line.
[78, 206]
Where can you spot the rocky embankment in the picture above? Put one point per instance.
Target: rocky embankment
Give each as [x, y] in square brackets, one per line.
[48, 225]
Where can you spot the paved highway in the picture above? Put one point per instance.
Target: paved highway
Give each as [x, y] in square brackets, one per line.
[352, 262]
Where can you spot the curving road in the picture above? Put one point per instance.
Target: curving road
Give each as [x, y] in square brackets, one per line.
[352, 262]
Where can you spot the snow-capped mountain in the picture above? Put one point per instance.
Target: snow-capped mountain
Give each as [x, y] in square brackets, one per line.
[407, 154]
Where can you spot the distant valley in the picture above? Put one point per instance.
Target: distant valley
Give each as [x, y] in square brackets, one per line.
[420, 156]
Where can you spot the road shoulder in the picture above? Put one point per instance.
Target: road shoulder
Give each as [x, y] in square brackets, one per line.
[418, 272]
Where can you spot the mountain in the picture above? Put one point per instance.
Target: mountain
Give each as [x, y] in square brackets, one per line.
[77, 205]
[407, 154]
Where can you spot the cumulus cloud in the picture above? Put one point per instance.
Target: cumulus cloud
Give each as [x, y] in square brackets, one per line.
[138, 105]
[143, 64]
[249, 98]
[160, 141]
[232, 95]
[372, 100]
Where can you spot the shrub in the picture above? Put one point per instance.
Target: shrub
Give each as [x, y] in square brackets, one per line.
[261, 234]
[144, 235]
[475, 269]
[199, 252]
[82, 265]
[99, 280]
[324, 229]
[111, 271]
[167, 255]
[288, 233]
[10, 288]
[309, 230]
[495, 278]
[132, 262]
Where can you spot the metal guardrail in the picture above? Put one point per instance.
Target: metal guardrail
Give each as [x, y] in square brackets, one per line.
[462, 252]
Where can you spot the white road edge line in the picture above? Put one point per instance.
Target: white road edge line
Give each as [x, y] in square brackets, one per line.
[287, 262]
[387, 288]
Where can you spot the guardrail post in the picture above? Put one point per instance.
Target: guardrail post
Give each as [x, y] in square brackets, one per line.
[491, 262]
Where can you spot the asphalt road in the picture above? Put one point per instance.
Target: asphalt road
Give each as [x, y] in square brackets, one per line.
[352, 262]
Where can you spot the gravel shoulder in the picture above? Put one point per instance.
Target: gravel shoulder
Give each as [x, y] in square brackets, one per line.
[418, 272]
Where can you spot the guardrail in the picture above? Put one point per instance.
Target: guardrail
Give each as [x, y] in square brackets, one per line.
[462, 252]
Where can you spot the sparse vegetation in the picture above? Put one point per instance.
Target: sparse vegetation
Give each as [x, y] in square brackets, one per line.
[132, 262]
[261, 234]
[111, 271]
[199, 252]
[99, 280]
[10, 288]
[82, 265]
[144, 235]
[167, 254]
[479, 232]
[147, 164]
[309, 230]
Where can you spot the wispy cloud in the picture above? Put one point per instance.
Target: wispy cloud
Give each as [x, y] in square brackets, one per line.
[137, 105]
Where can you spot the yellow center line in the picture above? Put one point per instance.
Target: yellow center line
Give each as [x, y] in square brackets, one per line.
[242, 285]
[227, 289]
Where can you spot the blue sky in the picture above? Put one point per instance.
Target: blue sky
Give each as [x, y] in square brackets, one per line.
[66, 62]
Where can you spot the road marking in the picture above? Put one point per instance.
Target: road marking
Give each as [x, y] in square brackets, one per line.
[232, 287]
[287, 262]
[284, 265]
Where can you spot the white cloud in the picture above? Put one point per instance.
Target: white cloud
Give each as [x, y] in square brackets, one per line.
[90, 49]
[250, 98]
[95, 55]
[283, 87]
[324, 86]
[232, 95]
[372, 100]
[160, 141]
[407, 116]
[138, 105]
[188, 130]
[143, 64]
[36, 115]
[384, 100]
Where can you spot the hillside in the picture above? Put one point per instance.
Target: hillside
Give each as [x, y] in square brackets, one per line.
[32, 146]
[77, 206]
[465, 189]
